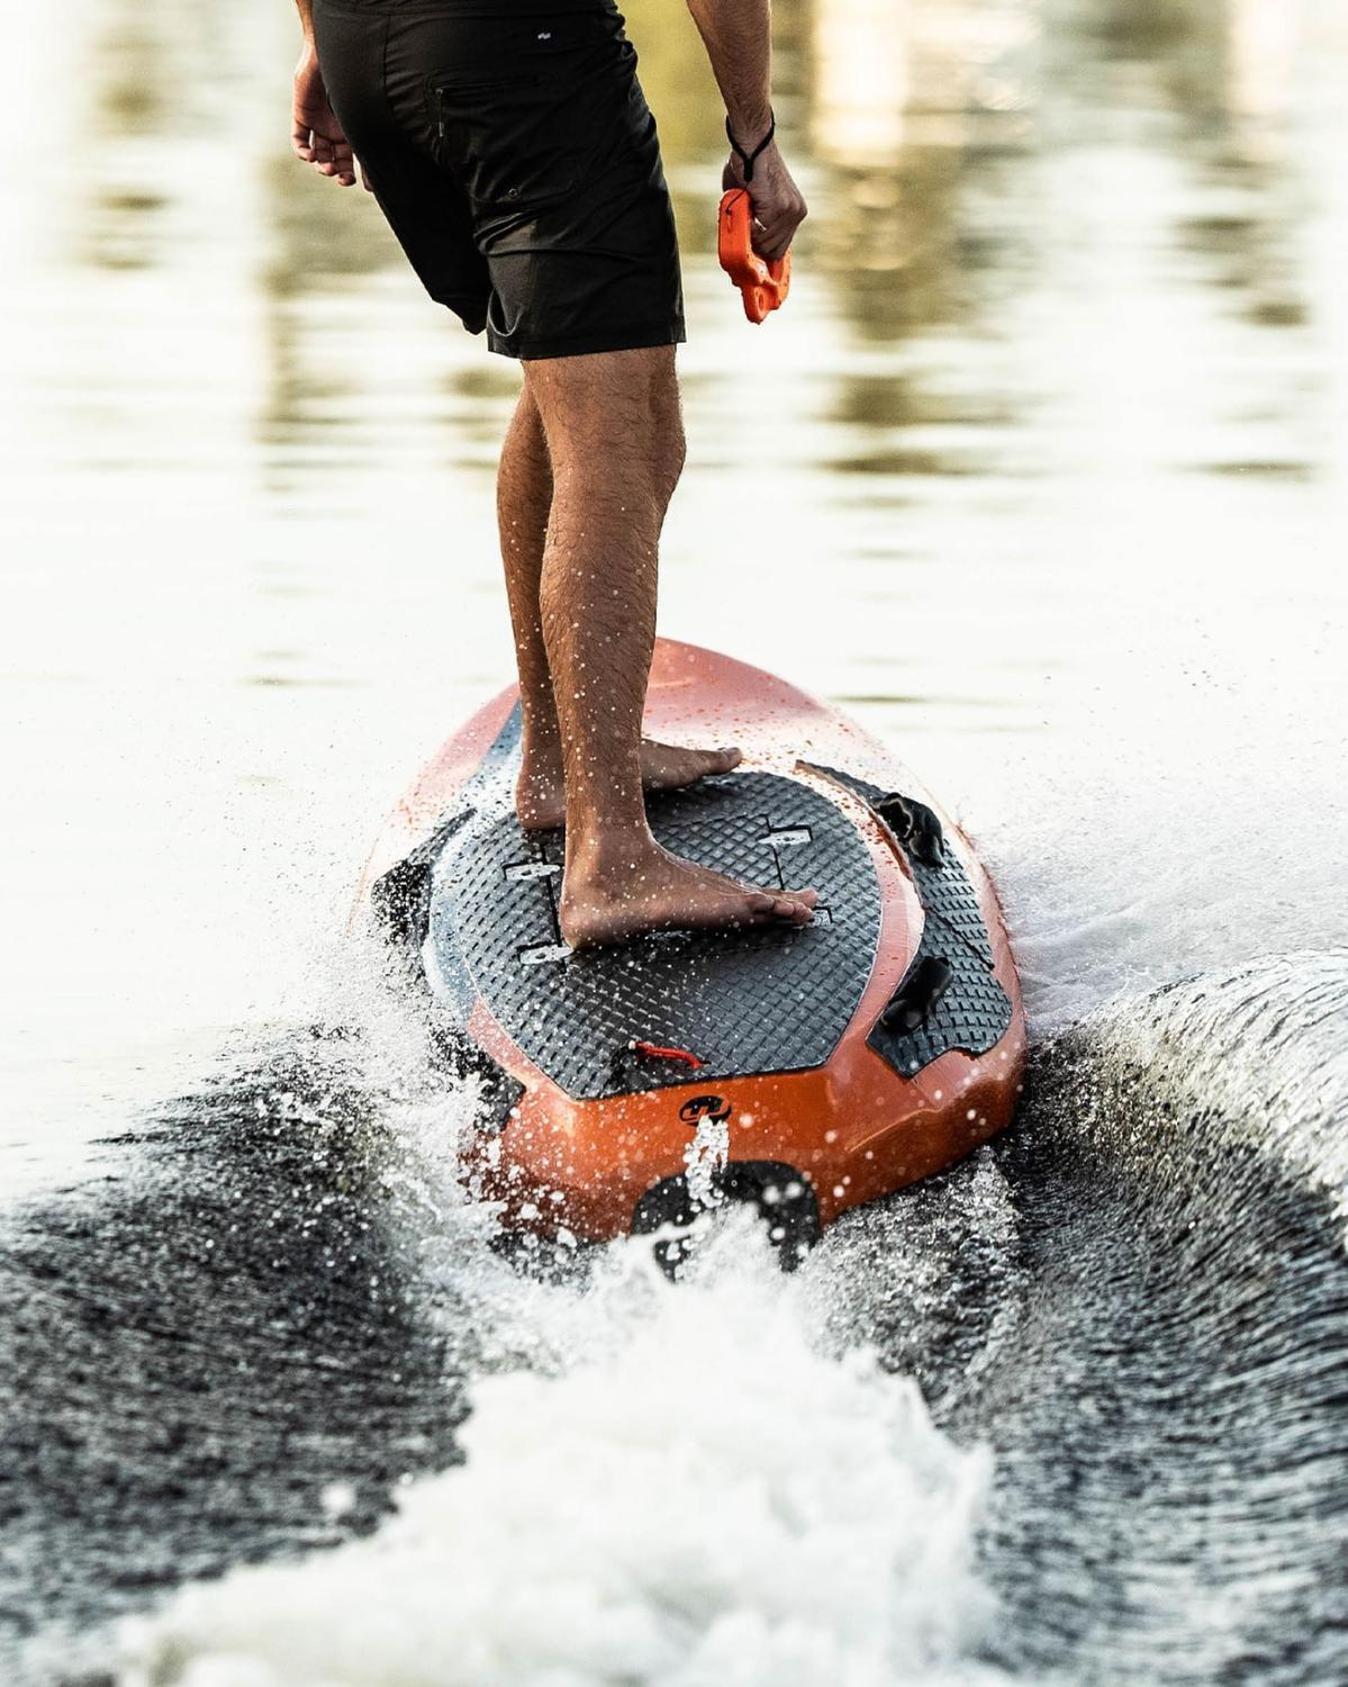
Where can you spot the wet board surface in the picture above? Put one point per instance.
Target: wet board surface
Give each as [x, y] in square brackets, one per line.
[973, 1011]
[774, 999]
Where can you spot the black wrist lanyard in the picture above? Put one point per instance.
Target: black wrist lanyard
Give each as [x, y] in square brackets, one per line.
[747, 158]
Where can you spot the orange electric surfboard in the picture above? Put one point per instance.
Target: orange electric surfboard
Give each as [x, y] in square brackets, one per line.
[803, 1071]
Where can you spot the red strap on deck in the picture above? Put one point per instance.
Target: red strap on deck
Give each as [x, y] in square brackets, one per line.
[656, 1052]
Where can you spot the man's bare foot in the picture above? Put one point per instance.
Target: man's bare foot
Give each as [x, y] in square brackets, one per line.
[540, 799]
[648, 889]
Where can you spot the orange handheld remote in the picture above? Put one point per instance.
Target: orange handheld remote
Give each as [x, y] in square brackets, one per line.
[763, 284]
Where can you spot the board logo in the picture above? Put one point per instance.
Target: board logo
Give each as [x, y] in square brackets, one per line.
[700, 1107]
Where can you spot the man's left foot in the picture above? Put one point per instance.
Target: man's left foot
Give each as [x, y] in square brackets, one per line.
[540, 799]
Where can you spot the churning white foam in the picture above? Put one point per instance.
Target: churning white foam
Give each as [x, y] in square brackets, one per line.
[706, 1497]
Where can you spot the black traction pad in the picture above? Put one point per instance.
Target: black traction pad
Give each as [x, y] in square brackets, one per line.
[974, 1012]
[749, 1002]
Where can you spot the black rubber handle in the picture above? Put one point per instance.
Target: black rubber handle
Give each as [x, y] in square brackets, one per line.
[918, 994]
[915, 826]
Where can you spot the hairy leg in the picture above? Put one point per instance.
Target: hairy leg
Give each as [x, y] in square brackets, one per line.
[523, 503]
[616, 448]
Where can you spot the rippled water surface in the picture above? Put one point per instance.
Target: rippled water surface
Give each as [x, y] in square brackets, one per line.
[1043, 474]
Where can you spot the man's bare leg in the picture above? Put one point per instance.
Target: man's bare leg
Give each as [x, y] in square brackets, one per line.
[523, 502]
[611, 424]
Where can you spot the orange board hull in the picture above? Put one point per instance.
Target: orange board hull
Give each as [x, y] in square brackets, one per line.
[851, 1125]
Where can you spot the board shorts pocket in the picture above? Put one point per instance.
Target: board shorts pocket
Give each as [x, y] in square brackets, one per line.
[513, 120]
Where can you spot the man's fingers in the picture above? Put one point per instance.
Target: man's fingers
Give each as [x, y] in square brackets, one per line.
[312, 138]
[316, 135]
[333, 155]
[773, 240]
[774, 232]
[329, 155]
[339, 163]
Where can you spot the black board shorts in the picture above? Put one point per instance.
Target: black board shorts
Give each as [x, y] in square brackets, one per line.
[513, 153]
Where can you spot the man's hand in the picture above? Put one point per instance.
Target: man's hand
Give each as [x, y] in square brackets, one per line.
[779, 208]
[315, 134]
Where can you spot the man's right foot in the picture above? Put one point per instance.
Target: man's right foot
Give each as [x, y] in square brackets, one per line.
[658, 891]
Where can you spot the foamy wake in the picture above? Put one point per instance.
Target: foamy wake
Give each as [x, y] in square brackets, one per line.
[706, 1499]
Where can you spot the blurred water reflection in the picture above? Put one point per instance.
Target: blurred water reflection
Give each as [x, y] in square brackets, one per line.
[1068, 320]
